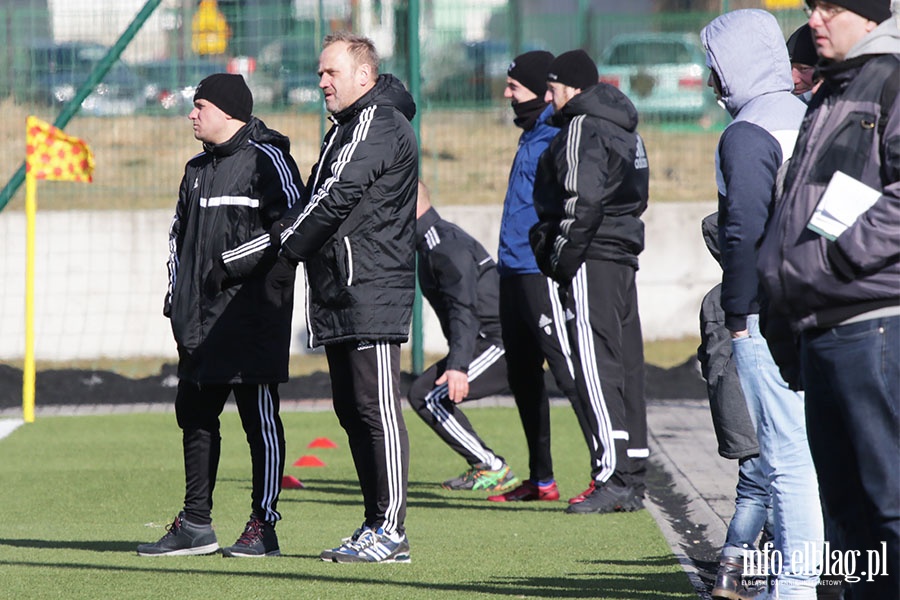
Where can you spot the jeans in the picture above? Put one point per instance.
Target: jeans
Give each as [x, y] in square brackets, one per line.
[852, 378]
[778, 414]
[752, 508]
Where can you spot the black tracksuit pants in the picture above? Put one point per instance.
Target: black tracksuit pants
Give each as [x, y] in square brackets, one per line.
[609, 357]
[365, 384]
[487, 377]
[197, 409]
[533, 323]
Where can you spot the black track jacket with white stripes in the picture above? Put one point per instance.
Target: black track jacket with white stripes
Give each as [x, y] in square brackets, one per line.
[460, 281]
[231, 192]
[591, 185]
[356, 232]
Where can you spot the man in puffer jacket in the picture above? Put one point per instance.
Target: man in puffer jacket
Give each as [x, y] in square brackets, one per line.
[842, 295]
[232, 336]
[750, 73]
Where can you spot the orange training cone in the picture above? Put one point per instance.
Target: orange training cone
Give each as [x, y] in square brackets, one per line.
[322, 442]
[289, 482]
[308, 461]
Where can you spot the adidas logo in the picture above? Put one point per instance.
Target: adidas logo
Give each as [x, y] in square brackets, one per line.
[364, 346]
[196, 183]
[569, 315]
[544, 323]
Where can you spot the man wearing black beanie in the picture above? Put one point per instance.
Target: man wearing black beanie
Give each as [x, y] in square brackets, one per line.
[839, 290]
[531, 315]
[590, 190]
[233, 336]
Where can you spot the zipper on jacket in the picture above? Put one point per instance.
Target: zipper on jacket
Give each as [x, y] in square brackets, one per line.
[349, 261]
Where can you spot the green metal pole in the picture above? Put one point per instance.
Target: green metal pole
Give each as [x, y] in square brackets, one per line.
[414, 79]
[583, 23]
[320, 33]
[85, 90]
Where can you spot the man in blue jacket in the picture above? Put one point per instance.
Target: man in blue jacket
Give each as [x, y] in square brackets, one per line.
[750, 73]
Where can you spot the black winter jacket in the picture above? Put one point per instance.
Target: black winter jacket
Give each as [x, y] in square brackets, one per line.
[231, 192]
[356, 229]
[460, 281]
[591, 185]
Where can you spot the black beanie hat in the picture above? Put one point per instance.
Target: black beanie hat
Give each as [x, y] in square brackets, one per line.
[530, 69]
[228, 92]
[873, 10]
[801, 47]
[574, 69]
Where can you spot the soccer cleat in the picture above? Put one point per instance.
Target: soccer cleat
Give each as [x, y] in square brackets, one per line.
[528, 491]
[580, 497]
[328, 555]
[479, 478]
[607, 498]
[374, 546]
[182, 539]
[257, 541]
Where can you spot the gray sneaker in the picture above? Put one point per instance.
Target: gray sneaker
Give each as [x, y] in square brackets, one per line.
[328, 555]
[257, 541]
[374, 546]
[182, 539]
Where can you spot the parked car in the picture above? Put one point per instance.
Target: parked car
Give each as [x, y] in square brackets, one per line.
[56, 71]
[290, 66]
[664, 74]
[171, 82]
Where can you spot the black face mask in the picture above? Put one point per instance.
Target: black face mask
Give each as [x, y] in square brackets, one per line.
[527, 113]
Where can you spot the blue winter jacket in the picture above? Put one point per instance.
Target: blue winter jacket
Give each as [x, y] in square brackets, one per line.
[515, 256]
[746, 49]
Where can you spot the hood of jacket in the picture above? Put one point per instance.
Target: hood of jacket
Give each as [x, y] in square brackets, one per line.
[254, 130]
[388, 91]
[603, 101]
[884, 39]
[746, 49]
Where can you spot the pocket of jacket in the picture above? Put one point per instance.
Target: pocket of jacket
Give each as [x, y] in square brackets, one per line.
[847, 149]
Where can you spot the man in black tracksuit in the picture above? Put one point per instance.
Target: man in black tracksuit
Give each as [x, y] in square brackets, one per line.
[356, 236]
[237, 339]
[590, 190]
[460, 281]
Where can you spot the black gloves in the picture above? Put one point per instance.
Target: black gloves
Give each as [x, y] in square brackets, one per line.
[215, 280]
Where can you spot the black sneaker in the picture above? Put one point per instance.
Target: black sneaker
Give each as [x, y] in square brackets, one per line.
[607, 498]
[257, 541]
[182, 539]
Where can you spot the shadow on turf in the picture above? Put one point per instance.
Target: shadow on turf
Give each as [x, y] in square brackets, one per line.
[99, 546]
[610, 585]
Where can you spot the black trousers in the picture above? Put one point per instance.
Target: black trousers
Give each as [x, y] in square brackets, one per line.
[609, 356]
[197, 410]
[365, 384]
[532, 319]
[487, 377]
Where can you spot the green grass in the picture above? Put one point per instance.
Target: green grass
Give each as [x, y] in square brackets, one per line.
[80, 493]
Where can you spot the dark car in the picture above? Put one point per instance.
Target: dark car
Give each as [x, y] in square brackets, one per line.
[290, 67]
[171, 83]
[56, 71]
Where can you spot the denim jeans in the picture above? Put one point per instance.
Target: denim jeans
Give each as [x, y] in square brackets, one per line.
[752, 508]
[852, 378]
[780, 422]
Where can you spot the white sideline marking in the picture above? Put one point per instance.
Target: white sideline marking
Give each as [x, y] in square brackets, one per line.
[7, 426]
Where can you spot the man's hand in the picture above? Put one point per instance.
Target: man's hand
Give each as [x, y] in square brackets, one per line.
[740, 334]
[215, 280]
[457, 384]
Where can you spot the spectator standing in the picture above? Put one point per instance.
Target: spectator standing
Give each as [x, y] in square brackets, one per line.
[356, 236]
[590, 190]
[234, 340]
[736, 436]
[750, 73]
[842, 295]
[802, 52]
[459, 279]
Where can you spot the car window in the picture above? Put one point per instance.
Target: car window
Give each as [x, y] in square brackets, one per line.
[650, 53]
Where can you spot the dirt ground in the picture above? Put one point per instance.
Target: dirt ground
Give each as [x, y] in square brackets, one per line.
[67, 387]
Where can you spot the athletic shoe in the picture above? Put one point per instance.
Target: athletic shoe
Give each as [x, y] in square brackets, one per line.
[480, 478]
[182, 539]
[528, 491]
[607, 498]
[374, 546]
[257, 541]
[580, 497]
[328, 555]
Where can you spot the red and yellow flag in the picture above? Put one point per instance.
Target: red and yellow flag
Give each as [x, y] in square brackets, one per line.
[52, 155]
